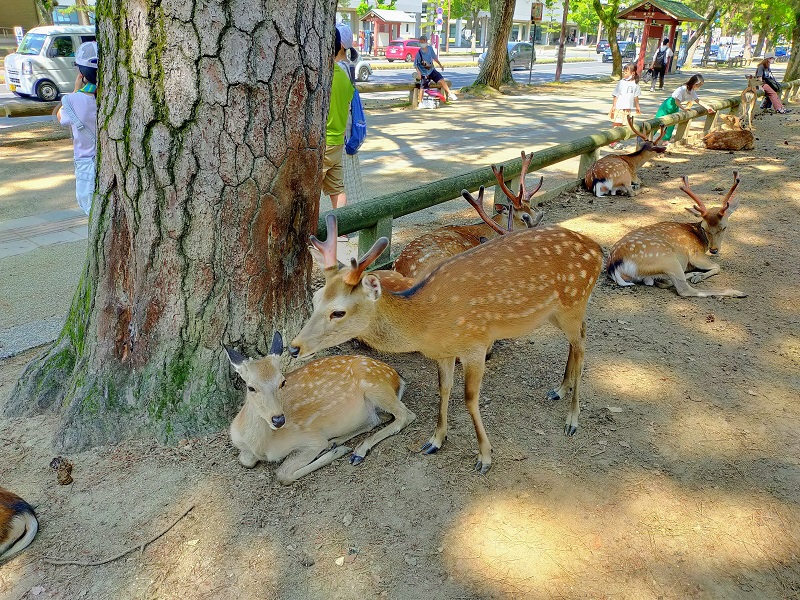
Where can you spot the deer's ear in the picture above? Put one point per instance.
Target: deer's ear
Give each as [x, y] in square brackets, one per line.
[694, 211]
[731, 206]
[318, 258]
[238, 361]
[500, 209]
[372, 285]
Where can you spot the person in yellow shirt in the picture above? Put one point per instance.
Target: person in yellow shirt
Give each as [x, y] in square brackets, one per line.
[341, 94]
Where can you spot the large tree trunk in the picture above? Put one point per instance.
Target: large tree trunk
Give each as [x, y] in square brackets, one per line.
[608, 17]
[562, 41]
[496, 70]
[793, 68]
[211, 136]
[699, 33]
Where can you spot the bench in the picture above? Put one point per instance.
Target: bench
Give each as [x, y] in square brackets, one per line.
[413, 97]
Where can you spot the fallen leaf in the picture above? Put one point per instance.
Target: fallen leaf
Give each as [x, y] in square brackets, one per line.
[192, 542]
[614, 409]
[340, 561]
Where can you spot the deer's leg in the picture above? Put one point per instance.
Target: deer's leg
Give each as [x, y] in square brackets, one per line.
[678, 278]
[305, 461]
[385, 398]
[708, 268]
[446, 368]
[247, 459]
[474, 368]
[574, 328]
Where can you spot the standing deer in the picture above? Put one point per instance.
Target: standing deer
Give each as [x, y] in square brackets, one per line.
[421, 255]
[616, 173]
[664, 251]
[312, 410]
[505, 288]
[748, 101]
[18, 524]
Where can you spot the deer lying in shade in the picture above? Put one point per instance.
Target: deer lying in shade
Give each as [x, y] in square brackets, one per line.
[664, 251]
[421, 255]
[614, 173]
[307, 414]
[505, 288]
[18, 524]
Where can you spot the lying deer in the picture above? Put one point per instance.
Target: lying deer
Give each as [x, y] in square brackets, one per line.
[425, 252]
[18, 524]
[616, 173]
[505, 288]
[664, 251]
[748, 101]
[311, 411]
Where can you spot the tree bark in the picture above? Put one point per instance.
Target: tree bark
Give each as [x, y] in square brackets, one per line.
[607, 14]
[496, 70]
[693, 40]
[793, 68]
[562, 40]
[210, 143]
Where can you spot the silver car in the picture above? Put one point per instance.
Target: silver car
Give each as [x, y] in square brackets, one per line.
[519, 55]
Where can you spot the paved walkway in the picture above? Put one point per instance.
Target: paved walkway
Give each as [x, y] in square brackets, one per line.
[18, 236]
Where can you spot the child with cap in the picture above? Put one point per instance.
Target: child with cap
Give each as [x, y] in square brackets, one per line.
[79, 110]
[423, 63]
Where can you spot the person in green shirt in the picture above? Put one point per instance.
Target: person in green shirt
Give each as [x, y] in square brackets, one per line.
[341, 94]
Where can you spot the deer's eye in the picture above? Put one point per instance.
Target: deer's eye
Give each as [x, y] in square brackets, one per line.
[283, 383]
[250, 388]
[337, 314]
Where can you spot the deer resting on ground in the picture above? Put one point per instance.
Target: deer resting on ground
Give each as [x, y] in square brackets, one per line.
[307, 414]
[615, 173]
[424, 253]
[664, 251]
[505, 288]
[18, 524]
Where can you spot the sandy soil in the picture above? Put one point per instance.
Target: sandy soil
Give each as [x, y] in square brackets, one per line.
[682, 481]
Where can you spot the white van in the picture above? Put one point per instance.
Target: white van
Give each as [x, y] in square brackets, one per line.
[44, 63]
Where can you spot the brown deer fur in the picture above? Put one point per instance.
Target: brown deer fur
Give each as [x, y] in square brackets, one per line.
[307, 414]
[18, 524]
[505, 288]
[664, 251]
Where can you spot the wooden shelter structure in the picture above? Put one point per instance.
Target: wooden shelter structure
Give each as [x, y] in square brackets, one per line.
[656, 15]
[387, 25]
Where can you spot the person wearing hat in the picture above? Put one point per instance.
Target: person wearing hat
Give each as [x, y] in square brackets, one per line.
[423, 63]
[79, 110]
[341, 94]
[770, 85]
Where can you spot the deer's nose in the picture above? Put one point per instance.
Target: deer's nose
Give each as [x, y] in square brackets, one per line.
[294, 351]
[714, 250]
[279, 421]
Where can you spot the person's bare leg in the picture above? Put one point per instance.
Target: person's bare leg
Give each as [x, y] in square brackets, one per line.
[338, 200]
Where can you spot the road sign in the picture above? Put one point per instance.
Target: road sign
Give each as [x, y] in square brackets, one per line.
[537, 9]
[19, 33]
[440, 11]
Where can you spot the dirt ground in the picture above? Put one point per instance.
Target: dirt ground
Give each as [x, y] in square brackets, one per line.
[683, 480]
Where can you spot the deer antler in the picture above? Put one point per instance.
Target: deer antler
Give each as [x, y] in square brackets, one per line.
[727, 201]
[662, 129]
[523, 195]
[328, 247]
[357, 268]
[636, 131]
[688, 191]
[478, 206]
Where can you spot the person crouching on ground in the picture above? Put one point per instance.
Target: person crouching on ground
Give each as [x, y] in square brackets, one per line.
[626, 98]
[341, 95]
[682, 99]
[423, 63]
[770, 85]
[79, 110]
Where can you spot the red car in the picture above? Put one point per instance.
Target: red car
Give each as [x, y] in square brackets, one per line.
[402, 50]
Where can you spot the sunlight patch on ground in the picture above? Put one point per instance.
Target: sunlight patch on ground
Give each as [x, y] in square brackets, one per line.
[35, 185]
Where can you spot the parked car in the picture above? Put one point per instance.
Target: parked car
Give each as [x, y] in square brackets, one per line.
[781, 51]
[402, 50]
[602, 46]
[519, 55]
[626, 49]
[44, 63]
[362, 69]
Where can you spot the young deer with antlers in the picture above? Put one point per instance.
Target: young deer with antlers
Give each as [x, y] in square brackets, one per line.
[18, 524]
[421, 255]
[505, 288]
[664, 251]
[312, 410]
[614, 173]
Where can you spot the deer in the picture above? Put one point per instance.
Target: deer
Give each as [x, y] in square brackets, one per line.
[307, 414]
[505, 288]
[616, 173]
[748, 101]
[663, 251]
[18, 524]
[425, 252]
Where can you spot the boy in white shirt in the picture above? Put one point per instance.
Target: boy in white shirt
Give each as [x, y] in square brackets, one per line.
[79, 110]
[626, 98]
[660, 62]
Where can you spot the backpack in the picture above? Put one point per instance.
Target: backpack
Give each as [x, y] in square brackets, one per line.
[358, 125]
[660, 60]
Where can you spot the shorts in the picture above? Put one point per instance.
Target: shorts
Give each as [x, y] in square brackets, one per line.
[621, 116]
[332, 171]
[434, 76]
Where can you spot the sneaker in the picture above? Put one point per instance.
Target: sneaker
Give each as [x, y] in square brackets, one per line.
[452, 97]
[616, 146]
[784, 111]
[652, 89]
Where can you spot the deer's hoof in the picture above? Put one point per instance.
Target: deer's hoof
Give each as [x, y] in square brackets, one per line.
[429, 448]
[570, 430]
[482, 468]
[553, 395]
[355, 460]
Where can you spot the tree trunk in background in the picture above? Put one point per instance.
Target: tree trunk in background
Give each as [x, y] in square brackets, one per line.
[44, 11]
[748, 41]
[211, 135]
[692, 42]
[496, 70]
[607, 13]
[83, 14]
[562, 40]
[793, 68]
